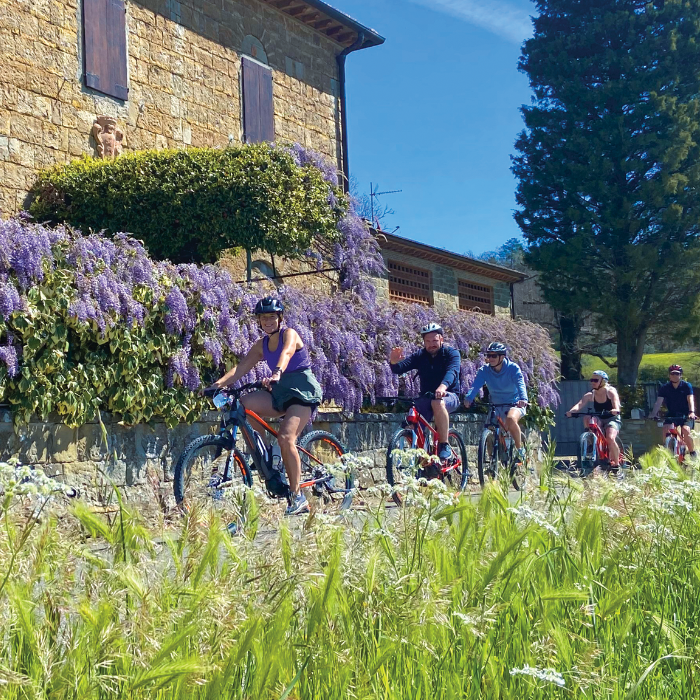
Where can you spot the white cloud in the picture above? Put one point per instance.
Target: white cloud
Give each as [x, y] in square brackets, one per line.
[502, 18]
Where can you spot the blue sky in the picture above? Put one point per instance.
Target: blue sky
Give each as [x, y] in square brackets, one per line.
[434, 112]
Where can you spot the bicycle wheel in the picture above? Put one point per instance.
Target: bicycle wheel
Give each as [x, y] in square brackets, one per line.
[400, 463]
[623, 458]
[487, 456]
[586, 455]
[458, 474]
[206, 466]
[324, 465]
[514, 466]
[671, 443]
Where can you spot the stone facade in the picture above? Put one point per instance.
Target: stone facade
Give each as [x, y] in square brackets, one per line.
[445, 283]
[184, 61]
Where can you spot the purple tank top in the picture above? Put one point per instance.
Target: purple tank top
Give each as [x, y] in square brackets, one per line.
[299, 361]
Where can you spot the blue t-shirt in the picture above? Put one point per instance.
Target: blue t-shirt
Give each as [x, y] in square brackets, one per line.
[676, 400]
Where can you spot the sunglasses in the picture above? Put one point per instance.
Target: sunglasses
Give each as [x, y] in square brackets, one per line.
[678, 373]
[492, 355]
[595, 381]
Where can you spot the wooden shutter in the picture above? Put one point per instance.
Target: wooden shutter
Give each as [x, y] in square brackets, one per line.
[409, 283]
[104, 44]
[258, 109]
[475, 297]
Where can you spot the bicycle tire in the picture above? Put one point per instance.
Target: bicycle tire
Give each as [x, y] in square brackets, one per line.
[517, 475]
[329, 450]
[457, 477]
[585, 457]
[182, 476]
[487, 456]
[394, 469]
[671, 443]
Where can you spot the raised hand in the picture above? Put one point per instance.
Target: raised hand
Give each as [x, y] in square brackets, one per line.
[396, 355]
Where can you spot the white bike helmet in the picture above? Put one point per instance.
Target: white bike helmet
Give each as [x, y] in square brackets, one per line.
[431, 328]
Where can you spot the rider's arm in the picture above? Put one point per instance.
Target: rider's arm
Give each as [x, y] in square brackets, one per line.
[405, 365]
[520, 382]
[691, 399]
[586, 399]
[254, 355]
[617, 408]
[454, 364]
[479, 381]
[657, 406]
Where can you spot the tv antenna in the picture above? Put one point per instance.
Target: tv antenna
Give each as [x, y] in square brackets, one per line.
[372, 194]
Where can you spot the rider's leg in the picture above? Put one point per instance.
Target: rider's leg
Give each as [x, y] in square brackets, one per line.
[687, 438]
[291, 427]
[512, 419]
[613, 449]
[260, 402]
[442, 419]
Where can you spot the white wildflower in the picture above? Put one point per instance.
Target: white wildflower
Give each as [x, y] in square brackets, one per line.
[548, 675]
[525, 513]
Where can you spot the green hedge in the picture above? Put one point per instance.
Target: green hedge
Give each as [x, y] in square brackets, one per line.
[190, 205]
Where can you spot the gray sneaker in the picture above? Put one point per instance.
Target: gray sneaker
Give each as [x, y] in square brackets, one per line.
[298, 505]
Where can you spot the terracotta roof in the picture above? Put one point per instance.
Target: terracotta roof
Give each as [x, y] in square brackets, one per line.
[328, 21]
[397, 244]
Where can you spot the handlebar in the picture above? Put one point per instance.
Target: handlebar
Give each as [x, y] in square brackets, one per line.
[599, 414]
[670, 419]
[232, 392]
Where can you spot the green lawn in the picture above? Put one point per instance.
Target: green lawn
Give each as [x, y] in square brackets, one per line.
[572, 592]
[654, 367]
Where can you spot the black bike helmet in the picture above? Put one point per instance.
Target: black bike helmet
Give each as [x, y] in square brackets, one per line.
[498, 348]
[269, 305]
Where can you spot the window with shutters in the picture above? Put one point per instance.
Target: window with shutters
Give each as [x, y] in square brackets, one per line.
[475, 297]
[104, 47]
[409, 283]
[258, 108]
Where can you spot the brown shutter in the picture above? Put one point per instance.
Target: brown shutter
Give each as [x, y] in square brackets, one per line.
[258, 109]
[104, 42]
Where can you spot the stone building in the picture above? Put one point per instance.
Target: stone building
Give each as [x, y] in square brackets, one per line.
[415, 272]
[422, 273]
[169, 73]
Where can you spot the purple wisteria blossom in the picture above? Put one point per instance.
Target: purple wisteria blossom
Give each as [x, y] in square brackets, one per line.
[198, 321]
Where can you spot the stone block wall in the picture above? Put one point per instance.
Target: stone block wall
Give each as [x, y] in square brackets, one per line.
[445, 283]
[140, 459]
[184, 82]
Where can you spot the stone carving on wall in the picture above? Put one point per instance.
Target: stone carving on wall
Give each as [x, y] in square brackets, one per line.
[108, 137]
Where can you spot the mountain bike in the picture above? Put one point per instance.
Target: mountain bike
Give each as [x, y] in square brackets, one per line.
[417, 434]
[497, 451]
[593, 445]
[211, 463]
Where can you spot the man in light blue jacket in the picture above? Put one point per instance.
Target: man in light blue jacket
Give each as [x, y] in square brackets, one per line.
[506, 386]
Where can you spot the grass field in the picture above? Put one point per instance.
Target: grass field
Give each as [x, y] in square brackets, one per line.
[582, 590]
[654, 367]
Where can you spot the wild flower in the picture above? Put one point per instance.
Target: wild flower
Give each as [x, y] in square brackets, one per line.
[548, 675]
[524, 513]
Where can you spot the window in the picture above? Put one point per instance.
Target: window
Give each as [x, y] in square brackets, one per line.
[258, 110]
[104, 47]
[475, 297]
[408, 283]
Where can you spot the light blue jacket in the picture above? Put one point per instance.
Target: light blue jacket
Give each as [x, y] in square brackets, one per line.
[506, 386]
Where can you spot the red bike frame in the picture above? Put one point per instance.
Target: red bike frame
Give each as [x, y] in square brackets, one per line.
[418, 424]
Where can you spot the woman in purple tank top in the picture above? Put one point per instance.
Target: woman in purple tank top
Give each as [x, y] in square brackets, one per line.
[293, 392]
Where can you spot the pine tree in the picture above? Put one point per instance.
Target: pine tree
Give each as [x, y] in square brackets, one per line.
[609, 164]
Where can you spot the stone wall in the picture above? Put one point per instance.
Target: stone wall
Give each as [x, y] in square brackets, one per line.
[141, 458]
[184, 66]
[445, 283]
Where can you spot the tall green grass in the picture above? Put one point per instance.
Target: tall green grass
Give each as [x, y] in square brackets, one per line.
[580, 590]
